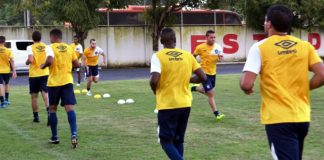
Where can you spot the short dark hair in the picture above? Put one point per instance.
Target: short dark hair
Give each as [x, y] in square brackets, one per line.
[209, 32]
[92, 39]
[168, 36]
[36, 36]
[57, 33]
[281, 17]
[2, 39]
[76, 36]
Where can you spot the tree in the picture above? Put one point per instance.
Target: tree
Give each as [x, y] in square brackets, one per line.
[161, 11]
[307, 14]
[10, 14]
[81, 14]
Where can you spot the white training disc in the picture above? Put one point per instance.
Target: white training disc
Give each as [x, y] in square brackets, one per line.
[106, 95]
[121, 101]
[130, 100]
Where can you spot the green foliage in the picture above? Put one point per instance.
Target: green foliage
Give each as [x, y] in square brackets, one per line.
[308, 14]
[10, 15]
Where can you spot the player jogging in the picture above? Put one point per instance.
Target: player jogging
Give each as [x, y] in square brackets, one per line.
[209, 53]
[77, 47]
[60, 84]
[283, 63]
[171, 71]
[7, 64]
[37, 54]
[90, 60]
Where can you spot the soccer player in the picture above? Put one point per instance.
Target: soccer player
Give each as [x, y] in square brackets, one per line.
[37, 76]
[7, 64]
[60, 84]
[77, 47]
[171, 71]
[209, 53]
[90, 60]
[283, 63]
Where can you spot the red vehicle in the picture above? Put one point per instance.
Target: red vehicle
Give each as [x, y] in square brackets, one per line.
[134, 15]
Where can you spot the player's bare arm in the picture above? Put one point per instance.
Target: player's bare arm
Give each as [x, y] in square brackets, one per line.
[154, 81]
[30, 59]
[201, 76]
[318, 77]
[13, 68]
[104, 58]
[76, 63]
[247, 82]
[48, 62]
[83, 60]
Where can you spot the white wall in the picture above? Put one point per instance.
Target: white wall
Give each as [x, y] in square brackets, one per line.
[132, 46]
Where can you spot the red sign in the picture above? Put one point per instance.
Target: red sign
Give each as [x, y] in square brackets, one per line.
[231, 46]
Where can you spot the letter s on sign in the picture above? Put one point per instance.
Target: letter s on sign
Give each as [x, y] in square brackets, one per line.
[231, 41]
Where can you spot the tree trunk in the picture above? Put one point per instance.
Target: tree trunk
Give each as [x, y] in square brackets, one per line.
[155, 33]
[155, 38]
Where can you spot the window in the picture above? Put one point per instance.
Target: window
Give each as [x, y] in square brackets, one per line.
[232, 19]
[23, 45]
[120, 18]
[198, 18]
[7, 44]
[219, 18]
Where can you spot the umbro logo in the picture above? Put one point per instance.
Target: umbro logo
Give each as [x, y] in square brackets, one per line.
[174, 54]
[286, 44]
[61, 48]
[40, 48]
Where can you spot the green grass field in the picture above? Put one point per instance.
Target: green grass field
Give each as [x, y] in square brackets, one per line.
[111, 131]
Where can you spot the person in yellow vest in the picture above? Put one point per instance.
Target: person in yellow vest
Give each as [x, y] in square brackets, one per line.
[60, 61]
[171, 70]
[210, 53]
[90, 60]
[77, 47]
[37, 54]
[7, 64]
[283, 63]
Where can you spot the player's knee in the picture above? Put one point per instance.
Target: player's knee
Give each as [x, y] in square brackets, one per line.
[34, 96]
[210, 93]
[68, 108]
[53, 109]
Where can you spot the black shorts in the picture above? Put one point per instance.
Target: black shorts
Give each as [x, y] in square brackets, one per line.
[286, 140]
[173, 125]
[37, 84]
[210, 83]
[5, 77]
[92, 71]
[65, 94]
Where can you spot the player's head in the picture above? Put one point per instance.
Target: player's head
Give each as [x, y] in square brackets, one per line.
[168, 38]
[279, 18]
[36, 36]
[76, 39]
[93, 43]
[2, 39]
[210, 37]
[55, 35]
